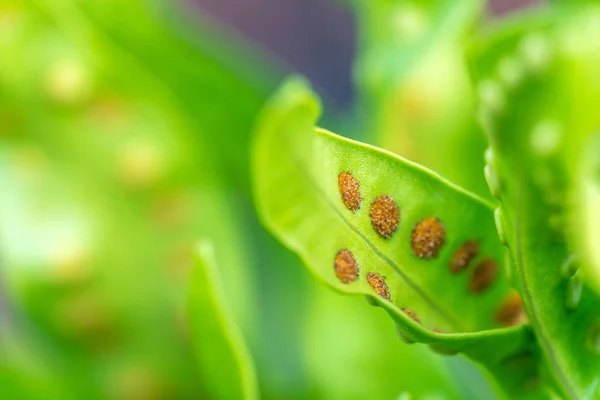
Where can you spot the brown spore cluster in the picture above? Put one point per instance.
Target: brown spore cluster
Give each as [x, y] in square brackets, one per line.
[428, 237]
[511, 311]
[483, 275]
[378, 284]
[349, 188]
[463, 256]
[412, 315]
[346, 267]
[385, 216]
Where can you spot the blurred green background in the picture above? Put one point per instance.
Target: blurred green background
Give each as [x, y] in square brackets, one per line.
[124, 139]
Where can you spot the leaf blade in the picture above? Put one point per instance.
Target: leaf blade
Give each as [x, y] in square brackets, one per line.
[296, 169]
[224, 360]
[531, 156]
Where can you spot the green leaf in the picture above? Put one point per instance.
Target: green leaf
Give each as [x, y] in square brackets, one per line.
[579, 39]
[414, 84]
[587, 215]
[99, 149]
[225, 363]
[296, 171]
[200, 61]
[537, 109]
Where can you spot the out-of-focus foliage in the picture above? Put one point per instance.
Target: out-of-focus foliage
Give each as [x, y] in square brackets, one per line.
[124, 138]
[416, 95]
[215, 336]
[543, 127]
[107, 180]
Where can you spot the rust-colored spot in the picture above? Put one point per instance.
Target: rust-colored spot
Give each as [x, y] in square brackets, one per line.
[385, 216]
[349, 189]
[346, 267]
[377, 282]
[511, 311]
[428, 237]
[412, 315]
[463, 256]
[483, 276]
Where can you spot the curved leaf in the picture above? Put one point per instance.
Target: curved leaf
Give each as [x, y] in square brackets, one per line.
[225, 363]
[536, 118]
[297, 169]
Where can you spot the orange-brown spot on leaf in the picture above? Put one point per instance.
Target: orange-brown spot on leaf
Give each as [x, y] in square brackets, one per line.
[377, 282]
[483, 276]
[385, 216]
[463, 256]
[349, 188]
[511, 311]
[412, 315]
[346, 267]
[428, 237]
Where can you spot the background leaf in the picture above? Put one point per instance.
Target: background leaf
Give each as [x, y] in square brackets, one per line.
[225, 362]
[102, 199]
[416, 94]
[527, 69]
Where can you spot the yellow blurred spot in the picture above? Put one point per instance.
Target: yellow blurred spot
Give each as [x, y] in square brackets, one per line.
[29, 163]
[581, 37]
[173, 209]
[10, 18]
[138, 382]
[410, 23]
[68, 81]
[140, 164]
[70, 263]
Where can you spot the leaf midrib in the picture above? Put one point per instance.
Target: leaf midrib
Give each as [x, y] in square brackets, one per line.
[428, 299]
